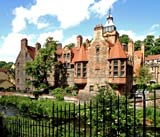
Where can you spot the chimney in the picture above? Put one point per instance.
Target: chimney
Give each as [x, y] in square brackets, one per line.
[37, 47]
[79, 40]
[87, 43]
[143, 51]
[59, 46]
[130, 47]
[24, 43]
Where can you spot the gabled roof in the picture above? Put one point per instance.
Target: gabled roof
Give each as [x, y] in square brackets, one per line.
[74, 52]
[31, 51]
[81, 56]
[152, 57]
[117, 52]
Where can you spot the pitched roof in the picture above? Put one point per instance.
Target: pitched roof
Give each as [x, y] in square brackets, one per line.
[31, 51]
[152, 57]
[117, 52]
[81, 56]
[74, 52]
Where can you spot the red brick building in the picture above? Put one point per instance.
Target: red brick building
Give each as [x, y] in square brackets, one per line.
[89, 65]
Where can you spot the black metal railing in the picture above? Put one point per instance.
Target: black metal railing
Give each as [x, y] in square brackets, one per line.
[111, 117]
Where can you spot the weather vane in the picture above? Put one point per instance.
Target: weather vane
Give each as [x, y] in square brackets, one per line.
[109, 12]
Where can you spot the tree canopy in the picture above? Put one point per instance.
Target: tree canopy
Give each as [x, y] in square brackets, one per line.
[41, 67]
[143, 77]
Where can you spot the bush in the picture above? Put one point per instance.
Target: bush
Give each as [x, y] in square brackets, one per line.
[68, 90]
[37, 94]
[57, 91]
[59, 97]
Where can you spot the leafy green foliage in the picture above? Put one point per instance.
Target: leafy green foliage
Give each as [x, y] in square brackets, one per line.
[149, 44]
[58, 93]
[124, 39]
[43, 64]
[144, 76]
[6, 65]
[113, 110]
[137, 45]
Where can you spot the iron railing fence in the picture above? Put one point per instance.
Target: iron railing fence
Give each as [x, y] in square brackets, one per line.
[111, 117]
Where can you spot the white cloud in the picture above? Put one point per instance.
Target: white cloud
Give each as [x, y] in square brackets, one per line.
[42, 25]
[11, 46]
[101, 7]
[19, 23]
[68, 12]
[73, 39]
[132, 34]
[57, 35]
[154, 26]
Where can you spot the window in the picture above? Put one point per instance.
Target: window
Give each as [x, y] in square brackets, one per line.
[72, 66]
[97, 50]
[84, 70]
[115, 68]
[91, 88]
[110, 68]
[78, 70]
[68, 55]
[122, 69]
[97, 53]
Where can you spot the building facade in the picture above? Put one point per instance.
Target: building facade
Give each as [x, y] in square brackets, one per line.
[89, 64]
[153, 63]
[27, 53]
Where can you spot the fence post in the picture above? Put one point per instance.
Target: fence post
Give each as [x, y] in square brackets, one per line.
[155, 98]
[1, 124]
[144, 113]
[53, 120]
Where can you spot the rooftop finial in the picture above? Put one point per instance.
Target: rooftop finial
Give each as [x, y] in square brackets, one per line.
[109, 12]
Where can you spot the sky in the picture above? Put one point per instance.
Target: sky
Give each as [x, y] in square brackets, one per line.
[64, 20]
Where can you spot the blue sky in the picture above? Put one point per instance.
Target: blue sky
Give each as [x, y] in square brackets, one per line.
[65, 19]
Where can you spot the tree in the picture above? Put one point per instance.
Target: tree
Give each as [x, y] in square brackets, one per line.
[156, 49]
[144, 76]
[113, 110]
[42, 66]
[124, 39]
[137, 45]
[149, 45]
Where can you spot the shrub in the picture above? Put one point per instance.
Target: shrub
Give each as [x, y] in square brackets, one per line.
[57, 91]
[59, 97]
[68, 90]
[37, 94]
